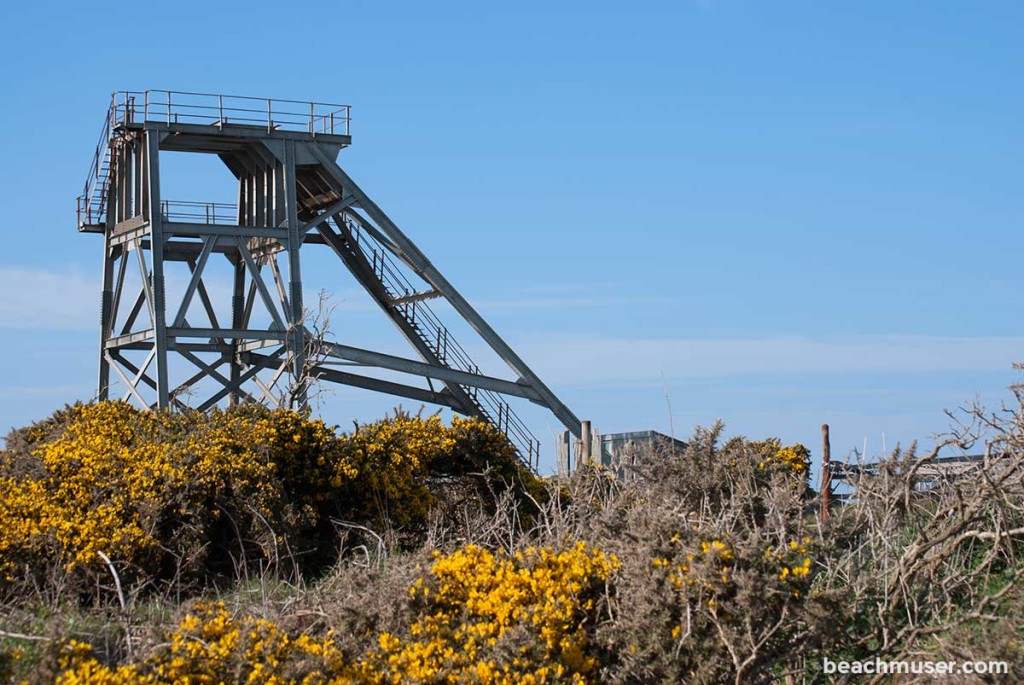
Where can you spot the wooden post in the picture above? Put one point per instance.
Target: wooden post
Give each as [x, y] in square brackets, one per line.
[565, 454]
[826, 472]
[586, 438]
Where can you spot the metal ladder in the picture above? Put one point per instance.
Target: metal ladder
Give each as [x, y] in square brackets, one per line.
[92, 203]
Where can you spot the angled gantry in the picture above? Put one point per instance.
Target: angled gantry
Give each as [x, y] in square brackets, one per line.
[162, 343]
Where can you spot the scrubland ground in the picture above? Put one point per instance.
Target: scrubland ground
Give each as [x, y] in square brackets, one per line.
[258, 546]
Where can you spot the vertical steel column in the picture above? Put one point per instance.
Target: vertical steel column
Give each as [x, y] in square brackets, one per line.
[106, 307]
[107, 297]
[296, 332]
[237, 300]
[157, 255]
[237, 314]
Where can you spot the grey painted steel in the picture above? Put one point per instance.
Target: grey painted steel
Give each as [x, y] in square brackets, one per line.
[295, 233]
[338, 206]
[440, 283]
[365, 382]
[441, 373]
[291, 193]
[159, 301]
[200, 230]
[227, 333]
[194, 282]
[363, 272]
[106, 317]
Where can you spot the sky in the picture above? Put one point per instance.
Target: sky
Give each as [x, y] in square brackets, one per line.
[775, 214]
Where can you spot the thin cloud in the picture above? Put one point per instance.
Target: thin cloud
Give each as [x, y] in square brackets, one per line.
[564, 302]
[587, 360]
[47, 300]
[41, 299]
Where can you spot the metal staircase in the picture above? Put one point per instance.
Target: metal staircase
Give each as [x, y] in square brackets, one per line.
[92, 203]
[405, 301]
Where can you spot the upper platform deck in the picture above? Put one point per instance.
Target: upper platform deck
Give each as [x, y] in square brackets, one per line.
[171, 110]
[206, 122]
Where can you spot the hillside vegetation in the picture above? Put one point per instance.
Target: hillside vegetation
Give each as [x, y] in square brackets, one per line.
[260, 546]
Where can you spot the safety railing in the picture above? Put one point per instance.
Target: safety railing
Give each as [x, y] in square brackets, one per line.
[92, 203]
[182, 107]
[437, 337]
[181, 211]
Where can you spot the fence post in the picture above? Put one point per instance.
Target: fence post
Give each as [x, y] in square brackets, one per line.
[826, 472]
[564, 454]
[585, 443]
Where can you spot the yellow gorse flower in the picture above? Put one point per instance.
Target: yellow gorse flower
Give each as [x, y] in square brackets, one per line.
[115, 479]
[794, 458]
[478, 597]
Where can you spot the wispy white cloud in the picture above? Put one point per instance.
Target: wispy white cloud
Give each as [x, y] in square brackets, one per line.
[356, 300]
[563, 302]
[44, 299]
[572, 288]
[588, 359]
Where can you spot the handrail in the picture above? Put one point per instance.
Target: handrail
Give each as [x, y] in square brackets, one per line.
[212, 213]
[97, 176]
[184, 107]
[448, 350]
[130, 107]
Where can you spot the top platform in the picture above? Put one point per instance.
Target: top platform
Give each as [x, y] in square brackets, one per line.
[171, 108]
[196, 116]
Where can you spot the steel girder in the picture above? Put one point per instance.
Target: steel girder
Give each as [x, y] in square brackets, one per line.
[291, 193]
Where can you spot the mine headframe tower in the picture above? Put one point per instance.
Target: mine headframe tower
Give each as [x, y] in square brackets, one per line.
[161, 337]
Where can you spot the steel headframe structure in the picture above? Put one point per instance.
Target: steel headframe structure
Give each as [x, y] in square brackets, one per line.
[291, 194]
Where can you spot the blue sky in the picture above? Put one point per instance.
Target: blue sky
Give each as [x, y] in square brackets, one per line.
[778, 214]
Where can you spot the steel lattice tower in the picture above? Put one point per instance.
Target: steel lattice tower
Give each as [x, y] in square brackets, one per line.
[163, 341]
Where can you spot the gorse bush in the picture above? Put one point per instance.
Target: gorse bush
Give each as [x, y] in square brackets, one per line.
[480, 618]
[716, 555]
[187, 498]
[705, 564]
[519, 619]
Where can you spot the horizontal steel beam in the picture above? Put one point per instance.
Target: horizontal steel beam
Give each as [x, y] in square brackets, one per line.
[182, 251]
[251, 345]
[129, 225]
[130, 235]
[230, 130]
[226, 333]
[128, 339]
[444, 399]
[441, 373]
[221, 347]
[190, 229]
